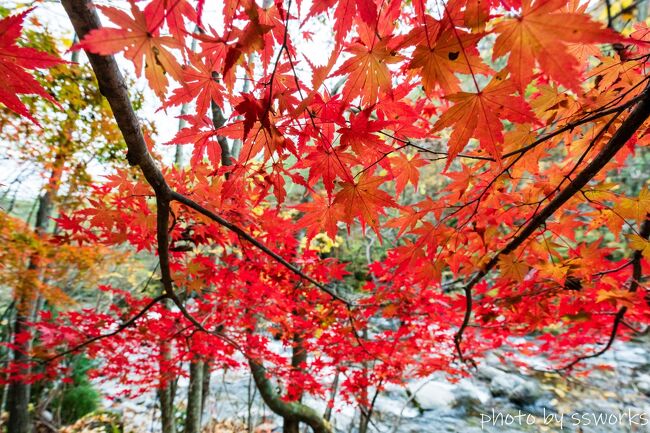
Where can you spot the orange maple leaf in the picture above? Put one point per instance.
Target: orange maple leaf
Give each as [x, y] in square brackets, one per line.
[512, 268]
[139, 38]
[451, 52]
[478, 115]
[320, 214]
[365, 200]
[406, 170]
[541, 33]
[621, 297]
[477, 14]
[249, 39]
[641, 244]
[200, 81]
[460, 180]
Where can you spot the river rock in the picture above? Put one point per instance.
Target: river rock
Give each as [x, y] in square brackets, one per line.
[525, 393]
[468, 395]
[643, 384]
[434, 395]
[487, 372]
[515, 388]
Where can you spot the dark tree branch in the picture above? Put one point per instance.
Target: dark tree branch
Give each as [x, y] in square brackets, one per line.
[245, 235]
[84, 18]
[286, 409]
[608, 9]
[119, 329]
[620, 314]
[629, 126]
[590, 117]
[627, 9]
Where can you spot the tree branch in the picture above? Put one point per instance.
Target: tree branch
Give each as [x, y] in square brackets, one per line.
[84, 18]
[266, 250]
[620, 314]
[119, 329]
[286, 409]
[629, 126]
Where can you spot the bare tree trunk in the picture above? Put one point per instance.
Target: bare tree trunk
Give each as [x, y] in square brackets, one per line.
[330, 404]
[284, 408]
[205, 388]
[167, 391]
[18, 394]
[19, 390]
[364, 406]
[166, 397]
[194, 396]
[291, 426]
[364, 416]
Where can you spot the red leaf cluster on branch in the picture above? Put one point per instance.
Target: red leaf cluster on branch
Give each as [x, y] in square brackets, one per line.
[482, 142]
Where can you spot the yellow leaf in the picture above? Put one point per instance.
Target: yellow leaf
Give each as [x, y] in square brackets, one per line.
[601, 192]
[581, 316]
[608, 218]
[619, 297]
[638, 243]
[512, 268]
[635, 208]
[556, 272]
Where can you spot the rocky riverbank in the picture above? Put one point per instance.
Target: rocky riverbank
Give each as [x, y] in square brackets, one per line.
[614, 398]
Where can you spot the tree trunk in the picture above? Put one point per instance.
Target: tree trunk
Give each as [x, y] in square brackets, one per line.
[19, 391]
[330, 404]
[194, 396]
[292, 412]
[284, 408]
[205, 388]
[364, 420]
[168, 423]
[364, 406]
[166, 392]
[298, 357]
[291, 426]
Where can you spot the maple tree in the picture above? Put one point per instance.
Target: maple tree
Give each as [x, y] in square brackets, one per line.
[481, 144]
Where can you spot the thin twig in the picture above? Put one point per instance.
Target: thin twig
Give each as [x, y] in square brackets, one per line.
[629, 126]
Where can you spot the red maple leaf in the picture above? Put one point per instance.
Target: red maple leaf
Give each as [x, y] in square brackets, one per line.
[14, 60]
[364, 199]
[329, 164]
[200, 81]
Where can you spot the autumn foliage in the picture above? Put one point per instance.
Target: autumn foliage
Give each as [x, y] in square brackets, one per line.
[481, 146]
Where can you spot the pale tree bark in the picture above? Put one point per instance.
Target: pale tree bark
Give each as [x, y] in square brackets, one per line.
[166, 397]
[194, 397]
[333, 390]
[167, 390]
[365, 411]
[205, 388]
